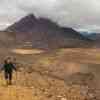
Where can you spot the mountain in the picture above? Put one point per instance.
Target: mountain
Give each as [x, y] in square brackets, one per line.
[43, 33]
[91, 35]
[94, 36]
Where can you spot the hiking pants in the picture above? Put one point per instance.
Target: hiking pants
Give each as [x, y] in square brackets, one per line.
[8, 75]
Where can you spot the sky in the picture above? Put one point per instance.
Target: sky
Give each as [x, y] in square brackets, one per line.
[82, 15]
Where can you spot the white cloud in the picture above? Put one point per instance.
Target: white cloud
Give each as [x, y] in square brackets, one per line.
[90, 28]
[4, 25]
[79, 14]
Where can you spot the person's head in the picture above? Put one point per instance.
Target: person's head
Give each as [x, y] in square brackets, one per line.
[8, 60]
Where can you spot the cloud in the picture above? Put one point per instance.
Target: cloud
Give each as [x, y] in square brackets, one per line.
[89, 29]
[3, 25]
[72, 13]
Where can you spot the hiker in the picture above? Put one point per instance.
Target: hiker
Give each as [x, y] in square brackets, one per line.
[8, 68]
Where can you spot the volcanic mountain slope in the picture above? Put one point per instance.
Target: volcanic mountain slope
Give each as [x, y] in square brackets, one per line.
[44, 33]
[7, 39]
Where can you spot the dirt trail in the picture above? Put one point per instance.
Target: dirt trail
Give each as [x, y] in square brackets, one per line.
[21, 89]
[15, 91]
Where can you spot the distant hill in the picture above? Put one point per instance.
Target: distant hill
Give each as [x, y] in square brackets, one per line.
[43, 33]
[91, 35]
[94, 36]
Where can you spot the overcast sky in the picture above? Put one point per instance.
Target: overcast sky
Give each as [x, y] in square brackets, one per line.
[83, 15]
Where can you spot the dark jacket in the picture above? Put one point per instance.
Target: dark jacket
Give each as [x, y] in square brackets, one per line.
[9, 67]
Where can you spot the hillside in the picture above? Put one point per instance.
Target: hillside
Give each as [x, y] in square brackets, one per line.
[7, 39]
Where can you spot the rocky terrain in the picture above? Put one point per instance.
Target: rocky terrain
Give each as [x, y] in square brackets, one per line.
[63, 74]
